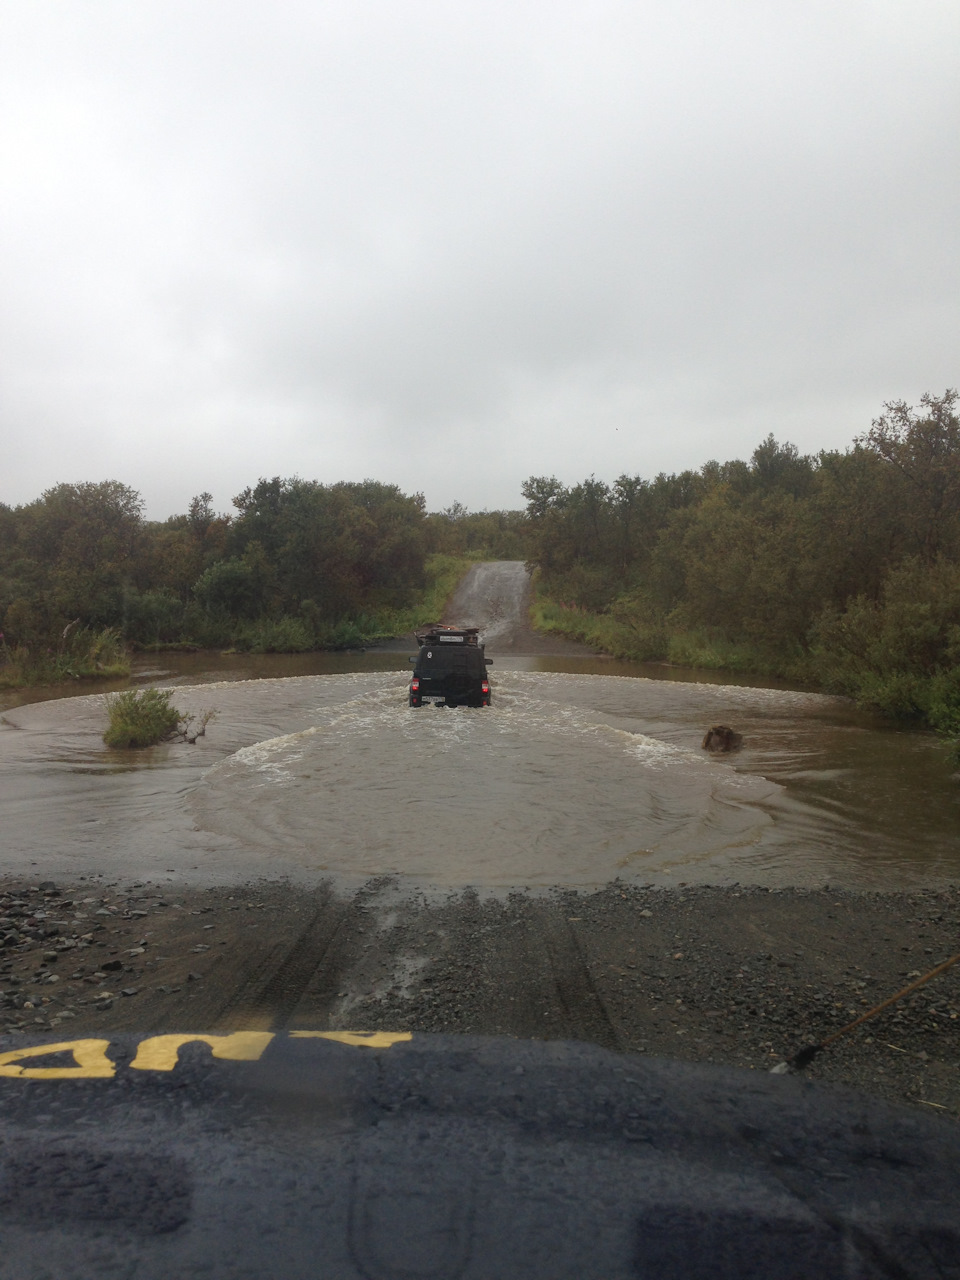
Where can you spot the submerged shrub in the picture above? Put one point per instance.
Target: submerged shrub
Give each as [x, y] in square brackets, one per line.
[141, 718]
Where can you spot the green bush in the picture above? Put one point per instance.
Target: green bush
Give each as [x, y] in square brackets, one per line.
[141, 718]
[235, 586]
[276, 635]
[347, 634]
[208, 630]
[152, 617]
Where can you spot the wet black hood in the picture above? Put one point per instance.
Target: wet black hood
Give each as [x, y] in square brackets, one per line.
[389, 1156]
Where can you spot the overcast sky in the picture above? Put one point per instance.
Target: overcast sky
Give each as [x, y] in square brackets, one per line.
[451, 245]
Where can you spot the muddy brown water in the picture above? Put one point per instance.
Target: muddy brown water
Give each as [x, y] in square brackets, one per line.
[582, 770]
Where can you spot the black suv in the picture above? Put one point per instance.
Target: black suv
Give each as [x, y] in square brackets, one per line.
[450, 668]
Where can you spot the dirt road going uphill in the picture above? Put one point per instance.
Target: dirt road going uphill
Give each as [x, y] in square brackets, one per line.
[495, 596]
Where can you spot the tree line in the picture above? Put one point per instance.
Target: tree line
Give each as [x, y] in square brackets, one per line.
[298, 565]
[841, 570]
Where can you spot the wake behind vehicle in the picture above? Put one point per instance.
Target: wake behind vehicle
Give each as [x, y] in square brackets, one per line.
[450, 669]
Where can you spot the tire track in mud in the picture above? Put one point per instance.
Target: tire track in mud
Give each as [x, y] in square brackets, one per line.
[272, 989]
[538, 977]
[576, 990]
[300, 981]
[512, 967]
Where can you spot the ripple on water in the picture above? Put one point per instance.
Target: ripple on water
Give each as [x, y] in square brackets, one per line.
[528, 791]
[566, 779]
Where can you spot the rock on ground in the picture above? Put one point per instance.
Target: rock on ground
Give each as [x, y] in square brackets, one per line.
[742, 976]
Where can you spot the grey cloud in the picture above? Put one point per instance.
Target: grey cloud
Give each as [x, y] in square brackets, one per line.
[241, 240]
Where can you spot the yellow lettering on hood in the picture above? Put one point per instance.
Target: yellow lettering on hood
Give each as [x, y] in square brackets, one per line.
[89, 1055]
[372, 1039]
[160, 1053]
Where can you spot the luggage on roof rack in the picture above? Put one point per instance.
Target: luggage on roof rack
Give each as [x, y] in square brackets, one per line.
[437, 633]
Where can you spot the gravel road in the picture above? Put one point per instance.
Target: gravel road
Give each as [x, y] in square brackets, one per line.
[738, 976]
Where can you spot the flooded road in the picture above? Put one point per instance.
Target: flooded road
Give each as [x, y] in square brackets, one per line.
[570, 778]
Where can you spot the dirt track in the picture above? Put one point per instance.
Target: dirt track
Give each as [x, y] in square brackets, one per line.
[495, 596]
[742, 977]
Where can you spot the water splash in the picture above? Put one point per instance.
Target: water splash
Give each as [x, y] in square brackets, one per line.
[565, 780]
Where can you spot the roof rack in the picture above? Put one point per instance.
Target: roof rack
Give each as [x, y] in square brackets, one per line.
[438, 633]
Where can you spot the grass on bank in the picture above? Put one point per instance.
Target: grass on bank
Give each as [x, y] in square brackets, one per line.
[910, 699]
[82, 654]
[308, 630]
[635, 641]
[443, 573]
[286, 635]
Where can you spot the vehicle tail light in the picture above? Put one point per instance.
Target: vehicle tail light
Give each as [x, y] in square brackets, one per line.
[485, 687]
[415, 685]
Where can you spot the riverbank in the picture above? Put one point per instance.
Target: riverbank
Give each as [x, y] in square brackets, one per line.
[82, 655]
[105, 656]
[913, 698]
[632, 641]
[741, 976]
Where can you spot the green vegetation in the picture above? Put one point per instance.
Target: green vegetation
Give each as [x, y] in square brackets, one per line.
[479, 535]
[640, 639]
[80, 654]
[442, 573]
[840, 571]
[141, 718]
[300, 566]
[144, 717]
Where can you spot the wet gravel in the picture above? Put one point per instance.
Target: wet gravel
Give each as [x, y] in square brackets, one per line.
[742, 976]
